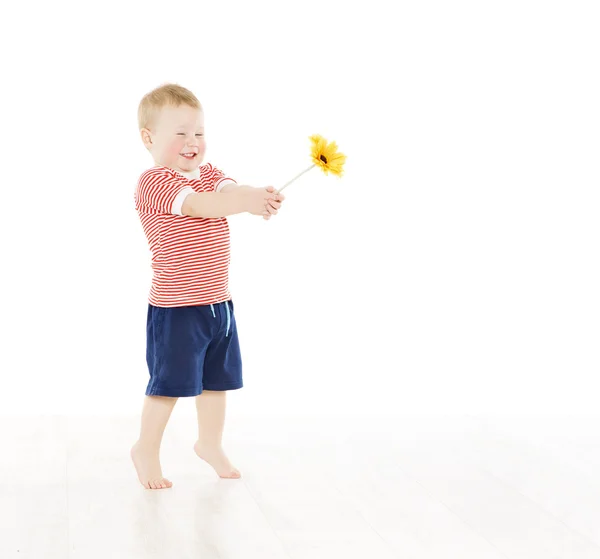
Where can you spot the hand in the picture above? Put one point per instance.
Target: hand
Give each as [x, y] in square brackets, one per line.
[273, 204]
[257, 199]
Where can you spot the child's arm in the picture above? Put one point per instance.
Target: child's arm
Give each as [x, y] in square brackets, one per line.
[228, 202]
[213, 204]
[230, 187]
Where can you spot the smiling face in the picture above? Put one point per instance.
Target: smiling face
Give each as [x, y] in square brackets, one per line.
[176, 139]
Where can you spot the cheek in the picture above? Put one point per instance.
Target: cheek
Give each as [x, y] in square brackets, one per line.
[175, 147]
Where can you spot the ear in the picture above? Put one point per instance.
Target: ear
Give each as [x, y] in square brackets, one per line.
[146, 137]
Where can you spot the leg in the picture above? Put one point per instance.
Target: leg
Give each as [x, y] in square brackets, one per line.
[146, 451]
[210, 406]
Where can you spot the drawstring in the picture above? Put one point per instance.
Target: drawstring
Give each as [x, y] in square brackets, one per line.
[228, 316]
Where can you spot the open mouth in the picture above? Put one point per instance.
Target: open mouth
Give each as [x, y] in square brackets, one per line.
[188, 155]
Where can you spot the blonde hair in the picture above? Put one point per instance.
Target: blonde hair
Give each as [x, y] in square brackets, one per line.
[167, 94]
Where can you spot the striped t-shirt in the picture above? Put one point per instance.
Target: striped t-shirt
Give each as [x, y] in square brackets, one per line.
[190, 255]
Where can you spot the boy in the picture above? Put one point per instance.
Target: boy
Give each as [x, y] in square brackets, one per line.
[192, 340]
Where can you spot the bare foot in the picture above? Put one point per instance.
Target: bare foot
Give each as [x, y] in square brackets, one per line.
[147, 466]
[217, 459]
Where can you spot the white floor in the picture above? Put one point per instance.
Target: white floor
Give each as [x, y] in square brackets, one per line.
[410, 487]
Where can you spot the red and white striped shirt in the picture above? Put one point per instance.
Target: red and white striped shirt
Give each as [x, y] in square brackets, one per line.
[190, 255]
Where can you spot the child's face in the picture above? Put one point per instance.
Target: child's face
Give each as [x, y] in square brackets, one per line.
[177, 132]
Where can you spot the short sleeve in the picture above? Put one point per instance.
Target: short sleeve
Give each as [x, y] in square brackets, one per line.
[159, 191]
[177, 206]
[218, 178]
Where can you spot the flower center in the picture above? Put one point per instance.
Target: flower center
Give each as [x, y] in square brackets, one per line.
[323, 159]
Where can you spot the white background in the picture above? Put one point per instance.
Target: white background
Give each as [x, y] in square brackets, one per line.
[454, 268]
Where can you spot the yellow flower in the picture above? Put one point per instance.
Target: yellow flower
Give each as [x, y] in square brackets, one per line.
[326, 155]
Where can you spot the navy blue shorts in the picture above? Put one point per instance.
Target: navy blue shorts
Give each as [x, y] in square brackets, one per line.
[192, 348]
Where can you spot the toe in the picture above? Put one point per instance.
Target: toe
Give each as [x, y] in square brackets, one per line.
[234, 474]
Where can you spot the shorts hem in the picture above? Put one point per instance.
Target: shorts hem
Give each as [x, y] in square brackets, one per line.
[222, 387]
[157, 391]
[172, 393]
